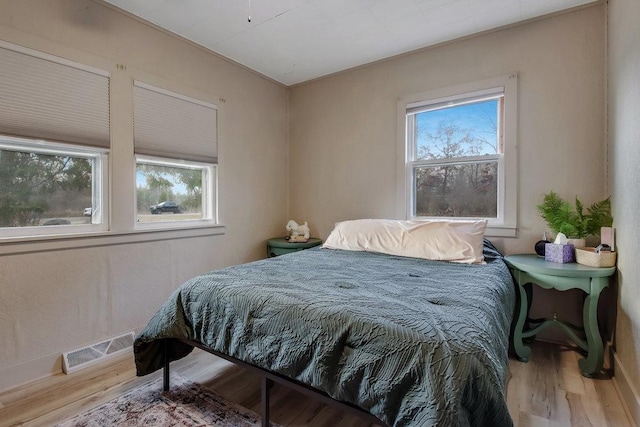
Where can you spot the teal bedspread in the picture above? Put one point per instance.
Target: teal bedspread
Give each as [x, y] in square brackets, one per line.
[414, 342]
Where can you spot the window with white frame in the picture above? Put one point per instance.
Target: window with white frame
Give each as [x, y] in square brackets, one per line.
[460, 159]
[49, 184]
[176, 143]
[174, 190]
[54, 144]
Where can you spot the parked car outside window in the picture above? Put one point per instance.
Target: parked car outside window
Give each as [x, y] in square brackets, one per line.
[165, 207]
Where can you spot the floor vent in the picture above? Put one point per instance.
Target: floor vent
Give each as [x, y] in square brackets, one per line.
[87, 356]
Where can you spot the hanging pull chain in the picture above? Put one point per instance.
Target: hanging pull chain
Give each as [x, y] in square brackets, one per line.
[249, 19]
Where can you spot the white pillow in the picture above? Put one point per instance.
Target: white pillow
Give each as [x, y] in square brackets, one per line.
[440, 240]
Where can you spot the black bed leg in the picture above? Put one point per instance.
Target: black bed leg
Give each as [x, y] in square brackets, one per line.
[266, 385]
[165, 356]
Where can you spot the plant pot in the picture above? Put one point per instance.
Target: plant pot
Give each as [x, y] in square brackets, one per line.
[577, 243]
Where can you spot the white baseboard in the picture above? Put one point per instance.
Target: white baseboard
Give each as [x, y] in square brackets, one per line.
[33, 370]
[628, 393]
[23, 373]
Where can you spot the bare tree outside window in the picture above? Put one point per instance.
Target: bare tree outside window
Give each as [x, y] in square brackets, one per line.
[456, 170]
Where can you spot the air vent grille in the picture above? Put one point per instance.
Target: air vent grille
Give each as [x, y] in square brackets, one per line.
[92, 354]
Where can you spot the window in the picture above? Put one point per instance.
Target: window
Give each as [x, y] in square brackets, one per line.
[459, 146]
[173, 191]
[455, 152]
[176, 145]
[54, 143]
[49, 188]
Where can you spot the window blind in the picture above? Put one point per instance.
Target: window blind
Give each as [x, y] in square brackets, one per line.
[45, 97]
[479, 96]
[167, 124]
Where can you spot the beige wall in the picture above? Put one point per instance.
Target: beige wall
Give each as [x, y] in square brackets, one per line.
[55, 301]
[342, 129]
[624, 148]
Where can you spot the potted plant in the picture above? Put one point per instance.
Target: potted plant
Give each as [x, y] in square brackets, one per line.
[572, 220]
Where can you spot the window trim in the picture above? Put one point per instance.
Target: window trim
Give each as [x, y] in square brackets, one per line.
[99, 183]
[209, 194]
[505, 225]
[108, 238]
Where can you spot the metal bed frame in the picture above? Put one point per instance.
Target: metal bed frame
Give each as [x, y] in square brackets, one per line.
[268, 378]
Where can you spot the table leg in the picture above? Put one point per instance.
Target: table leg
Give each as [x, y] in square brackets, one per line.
[592, 364]
[522, 351]
[266, 385]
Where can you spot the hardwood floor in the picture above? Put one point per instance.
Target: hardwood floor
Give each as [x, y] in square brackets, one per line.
[547, 391]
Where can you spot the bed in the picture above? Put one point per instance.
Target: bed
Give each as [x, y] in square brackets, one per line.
[412, 342]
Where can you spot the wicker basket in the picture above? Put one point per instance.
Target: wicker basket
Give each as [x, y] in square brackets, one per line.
[588, 256]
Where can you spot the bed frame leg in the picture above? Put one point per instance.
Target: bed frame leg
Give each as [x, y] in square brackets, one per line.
[165, 356]
[266, 385]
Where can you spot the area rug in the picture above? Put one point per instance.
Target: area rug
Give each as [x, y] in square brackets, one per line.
[186, 404]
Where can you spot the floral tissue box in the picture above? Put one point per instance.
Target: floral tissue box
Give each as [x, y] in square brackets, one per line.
[559, 253]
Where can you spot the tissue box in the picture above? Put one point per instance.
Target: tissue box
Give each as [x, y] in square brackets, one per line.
[559, 253]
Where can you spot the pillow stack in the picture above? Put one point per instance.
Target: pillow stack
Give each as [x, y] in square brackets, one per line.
[439, 240]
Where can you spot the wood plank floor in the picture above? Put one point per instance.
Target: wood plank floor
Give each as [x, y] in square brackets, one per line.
[547, 391]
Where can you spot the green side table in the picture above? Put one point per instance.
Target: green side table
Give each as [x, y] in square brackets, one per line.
[280, 246]
[528, 269]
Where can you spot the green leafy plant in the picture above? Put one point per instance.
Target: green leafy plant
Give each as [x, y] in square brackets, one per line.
[562, 217]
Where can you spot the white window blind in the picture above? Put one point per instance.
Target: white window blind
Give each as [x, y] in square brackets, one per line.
[167, 124]
[437, 104]
[45, 97]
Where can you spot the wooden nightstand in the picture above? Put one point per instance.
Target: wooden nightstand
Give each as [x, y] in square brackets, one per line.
[528, 269]
[280, 246]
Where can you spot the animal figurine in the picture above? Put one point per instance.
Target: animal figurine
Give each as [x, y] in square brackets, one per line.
[297, 231]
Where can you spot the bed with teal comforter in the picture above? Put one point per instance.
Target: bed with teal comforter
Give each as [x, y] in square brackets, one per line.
[413, 342]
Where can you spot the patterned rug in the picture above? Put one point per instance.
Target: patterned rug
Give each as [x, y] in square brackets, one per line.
[186, 404]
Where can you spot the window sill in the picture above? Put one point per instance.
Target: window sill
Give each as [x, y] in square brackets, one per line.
[495, 231]
[12, 246]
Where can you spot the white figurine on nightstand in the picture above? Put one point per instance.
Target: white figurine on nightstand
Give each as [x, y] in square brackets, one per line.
[297, 232]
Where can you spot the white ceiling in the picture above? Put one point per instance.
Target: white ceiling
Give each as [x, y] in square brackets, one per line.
[292, 41]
